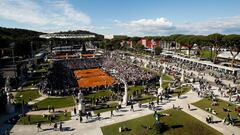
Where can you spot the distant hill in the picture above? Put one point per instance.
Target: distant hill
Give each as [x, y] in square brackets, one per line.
[23, 36]
[15, 33]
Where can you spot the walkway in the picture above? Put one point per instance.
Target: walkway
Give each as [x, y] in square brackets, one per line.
[93, 127]
[74, 127]
[37, 100]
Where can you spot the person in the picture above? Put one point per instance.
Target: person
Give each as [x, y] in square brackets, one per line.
[60, 126]
[178, 94]
[189, 107]
[132, 108]
[50, 119]
[81, 119]
[87, 116]
[90, 115]
[117, 108]
[98, 115]
[161, 98]
[74, 111]
[140, 105]
[112, 113]
[157, 101]
[55, 126]
[65, 113]
[38, 126]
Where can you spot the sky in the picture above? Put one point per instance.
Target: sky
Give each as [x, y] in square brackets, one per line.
[124, 17]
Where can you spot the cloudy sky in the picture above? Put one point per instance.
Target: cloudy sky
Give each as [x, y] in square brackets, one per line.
[128, 17]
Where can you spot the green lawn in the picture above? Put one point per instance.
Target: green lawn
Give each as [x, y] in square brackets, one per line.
[104, 108]
[167, 78]
[178, 123]
[135, 89]
[31, 82]
[206, 103]
[146, 99]
[43, 70]
[39, 118]
[60, 102]
[98, 94]
[207, 54]
[26, 94]
[182, 90]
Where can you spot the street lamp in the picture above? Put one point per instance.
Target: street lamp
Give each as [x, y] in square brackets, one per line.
[32, 49]
[21, 96]
[12, 46]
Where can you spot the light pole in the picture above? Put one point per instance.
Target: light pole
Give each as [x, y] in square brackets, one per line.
[32, 48]
[12, 46]
[21, 96]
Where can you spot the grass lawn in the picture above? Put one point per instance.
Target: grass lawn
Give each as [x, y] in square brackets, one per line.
[98, 94]
[133, 89]
[167, 78]
[60, 102]
[43, 70]
[183, 90]
[178, 123]
[206, 103]
[146, 99]
[104, 108]
[207, 54]
[31, 82]
[39, 118]
[26, 94]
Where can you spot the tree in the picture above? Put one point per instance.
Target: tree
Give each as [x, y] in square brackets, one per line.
[201, 42]
[3, 96]
[216, 43]
[233, 43]
[158, 50]
[139, 47]
[173, 38]
[3, 100]
[187, 41]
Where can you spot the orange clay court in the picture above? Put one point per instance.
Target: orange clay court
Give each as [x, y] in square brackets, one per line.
[92, 78]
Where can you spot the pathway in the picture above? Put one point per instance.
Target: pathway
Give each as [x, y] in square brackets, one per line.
[93, 128]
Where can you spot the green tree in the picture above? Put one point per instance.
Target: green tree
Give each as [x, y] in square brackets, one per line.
[216, 43]
[187, 41]
[139, 47]
[158, 50]
[201, 41]
[233, 43]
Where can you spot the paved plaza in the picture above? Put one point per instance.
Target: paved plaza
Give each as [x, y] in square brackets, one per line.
[92, 127]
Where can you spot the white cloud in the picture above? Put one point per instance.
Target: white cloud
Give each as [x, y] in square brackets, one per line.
[162, 26]
[43, 13]
[152, 26]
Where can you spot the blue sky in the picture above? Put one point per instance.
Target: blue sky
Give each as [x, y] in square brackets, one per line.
[128, 17]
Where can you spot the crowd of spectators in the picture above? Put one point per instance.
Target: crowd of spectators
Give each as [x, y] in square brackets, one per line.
[85, 63]
[123, 70]
[58, 80]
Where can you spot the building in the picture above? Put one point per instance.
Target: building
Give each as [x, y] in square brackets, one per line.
[149, 43]
[128, 43]
[67, 36]
[114, 36]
